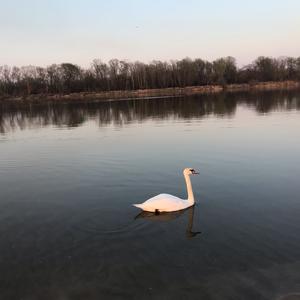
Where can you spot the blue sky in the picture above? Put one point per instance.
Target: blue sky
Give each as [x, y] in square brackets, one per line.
[41, 32]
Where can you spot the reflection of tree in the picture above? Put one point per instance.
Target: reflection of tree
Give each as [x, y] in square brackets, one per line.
[71, 114]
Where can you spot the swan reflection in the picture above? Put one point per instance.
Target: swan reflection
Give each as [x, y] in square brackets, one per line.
[168, 216]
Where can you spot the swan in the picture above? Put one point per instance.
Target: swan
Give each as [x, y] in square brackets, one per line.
[168, 203]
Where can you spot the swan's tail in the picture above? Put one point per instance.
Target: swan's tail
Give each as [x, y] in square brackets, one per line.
[138, 205]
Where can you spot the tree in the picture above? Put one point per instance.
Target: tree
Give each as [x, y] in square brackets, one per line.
[265, 68]
[71, 76]
[124, 75]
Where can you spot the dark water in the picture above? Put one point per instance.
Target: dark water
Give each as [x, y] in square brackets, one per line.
[70, 172]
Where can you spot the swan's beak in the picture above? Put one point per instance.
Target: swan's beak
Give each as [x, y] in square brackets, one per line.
[195, 173]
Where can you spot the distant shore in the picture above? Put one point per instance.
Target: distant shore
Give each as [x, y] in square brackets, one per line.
[145, 93]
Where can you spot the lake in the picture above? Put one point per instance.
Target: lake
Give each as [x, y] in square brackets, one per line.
[70, 172]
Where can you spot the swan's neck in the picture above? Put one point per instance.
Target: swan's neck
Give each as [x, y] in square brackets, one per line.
[189, 189]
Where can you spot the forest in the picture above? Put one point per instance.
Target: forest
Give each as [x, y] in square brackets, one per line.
[123, 75]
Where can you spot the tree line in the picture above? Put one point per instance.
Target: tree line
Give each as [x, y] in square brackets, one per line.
[123, 75]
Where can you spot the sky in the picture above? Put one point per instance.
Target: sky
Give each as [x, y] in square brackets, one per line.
[42, 32]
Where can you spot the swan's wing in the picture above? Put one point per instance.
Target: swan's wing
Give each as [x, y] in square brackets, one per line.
[164, 202]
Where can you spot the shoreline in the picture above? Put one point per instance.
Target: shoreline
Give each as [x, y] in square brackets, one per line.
[154, 93]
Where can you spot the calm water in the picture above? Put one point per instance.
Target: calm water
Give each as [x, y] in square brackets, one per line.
[70, 172]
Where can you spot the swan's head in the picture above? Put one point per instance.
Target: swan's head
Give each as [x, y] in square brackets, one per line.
[189, 171]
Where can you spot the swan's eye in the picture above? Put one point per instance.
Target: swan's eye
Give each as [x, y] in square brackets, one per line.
[192, 170]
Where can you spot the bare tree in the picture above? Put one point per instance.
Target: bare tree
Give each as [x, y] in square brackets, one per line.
[124, 75]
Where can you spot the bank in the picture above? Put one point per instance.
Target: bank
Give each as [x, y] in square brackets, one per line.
[164, 92]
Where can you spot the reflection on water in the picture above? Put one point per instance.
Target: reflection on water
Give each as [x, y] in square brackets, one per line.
[69, 173]
[164, 217]
[20, 116]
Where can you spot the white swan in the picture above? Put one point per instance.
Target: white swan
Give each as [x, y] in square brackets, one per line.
[168, 203]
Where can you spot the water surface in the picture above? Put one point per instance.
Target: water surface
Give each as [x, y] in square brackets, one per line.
[69, 173]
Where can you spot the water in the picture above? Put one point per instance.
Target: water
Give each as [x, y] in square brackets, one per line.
[69, 173]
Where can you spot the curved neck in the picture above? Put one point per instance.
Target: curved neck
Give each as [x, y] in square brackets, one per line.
[189, 189]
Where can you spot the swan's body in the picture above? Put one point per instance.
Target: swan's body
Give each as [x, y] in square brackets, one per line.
[168, 203]
[164, 203]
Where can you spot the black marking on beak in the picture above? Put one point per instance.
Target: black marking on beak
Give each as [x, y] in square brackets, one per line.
[194, 172]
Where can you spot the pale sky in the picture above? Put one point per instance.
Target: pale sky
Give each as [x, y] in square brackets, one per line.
[42, 32]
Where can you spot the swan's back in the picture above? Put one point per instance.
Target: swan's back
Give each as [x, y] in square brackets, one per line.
[163, 203]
